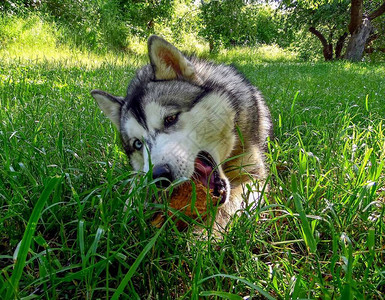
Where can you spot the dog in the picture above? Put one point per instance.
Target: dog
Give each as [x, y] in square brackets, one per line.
[185, 117]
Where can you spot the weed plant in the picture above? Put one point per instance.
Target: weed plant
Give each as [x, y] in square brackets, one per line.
[67, 232]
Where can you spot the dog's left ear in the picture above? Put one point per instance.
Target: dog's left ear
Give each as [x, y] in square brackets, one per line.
[168, 62]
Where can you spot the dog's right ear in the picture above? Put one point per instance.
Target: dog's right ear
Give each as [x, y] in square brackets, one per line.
[168, 62]
[110, 105]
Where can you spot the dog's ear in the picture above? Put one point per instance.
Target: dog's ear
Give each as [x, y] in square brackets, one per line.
[110, 105]
[167, 61]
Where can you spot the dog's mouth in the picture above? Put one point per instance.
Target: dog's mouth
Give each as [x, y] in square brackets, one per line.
[206, 171]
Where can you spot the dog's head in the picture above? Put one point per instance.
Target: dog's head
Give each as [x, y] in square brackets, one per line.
[174, 120]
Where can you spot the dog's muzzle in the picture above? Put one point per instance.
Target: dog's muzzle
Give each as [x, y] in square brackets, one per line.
[205, 170]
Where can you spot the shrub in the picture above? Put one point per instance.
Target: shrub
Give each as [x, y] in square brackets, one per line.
[29, 31]
[231, 23]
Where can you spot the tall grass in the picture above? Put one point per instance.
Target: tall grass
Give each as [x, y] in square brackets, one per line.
[319, 235]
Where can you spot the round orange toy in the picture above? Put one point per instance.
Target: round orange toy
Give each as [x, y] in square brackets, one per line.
[181, 200]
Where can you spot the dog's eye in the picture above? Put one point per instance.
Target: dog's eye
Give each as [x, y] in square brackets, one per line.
[170, 120]
[137, 144]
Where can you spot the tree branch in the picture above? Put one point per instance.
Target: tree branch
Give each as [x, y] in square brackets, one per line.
[370, 50]
[319, 35]
[372, 38]
[327, 48]
[378, 12]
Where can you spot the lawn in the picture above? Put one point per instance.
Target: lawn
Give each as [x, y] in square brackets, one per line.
[64, 182]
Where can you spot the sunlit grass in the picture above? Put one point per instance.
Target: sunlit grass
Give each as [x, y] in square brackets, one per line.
[262, 53]
[67, 56]
[34, 40]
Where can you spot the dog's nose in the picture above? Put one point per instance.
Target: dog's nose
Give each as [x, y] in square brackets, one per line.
[163, 172]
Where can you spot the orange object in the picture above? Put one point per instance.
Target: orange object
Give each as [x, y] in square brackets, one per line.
[181, 200]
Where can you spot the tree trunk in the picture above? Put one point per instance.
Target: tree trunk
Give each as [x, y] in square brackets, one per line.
[355, 15]
[327, 48]
[340, 45]
[357, 41]
[360, 29]
[211, 45]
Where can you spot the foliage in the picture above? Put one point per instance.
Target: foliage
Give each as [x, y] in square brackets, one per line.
[18, 7]
[231, 23]
[27, 32]
[89, 24]
[143, 15]
[124, 25]
[330, 17]
[334, 15]
[98, 25]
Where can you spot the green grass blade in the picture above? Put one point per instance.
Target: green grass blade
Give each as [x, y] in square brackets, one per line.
[223, 295]
[28, 235]
[309, 238]
[347, 291]
[252, 285]
[136, 264]
[95, 243]
[370, 243]
[2, 286]
[81, 242]
[293, 103]
[367, 103]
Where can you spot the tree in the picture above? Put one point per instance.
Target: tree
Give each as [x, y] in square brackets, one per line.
[361, 29]
[339, 19]
[143, 14]
[237, 22]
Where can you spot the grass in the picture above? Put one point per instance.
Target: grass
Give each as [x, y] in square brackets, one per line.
[64, 182]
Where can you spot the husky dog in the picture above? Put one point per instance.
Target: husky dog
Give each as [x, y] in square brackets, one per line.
[192, 118]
